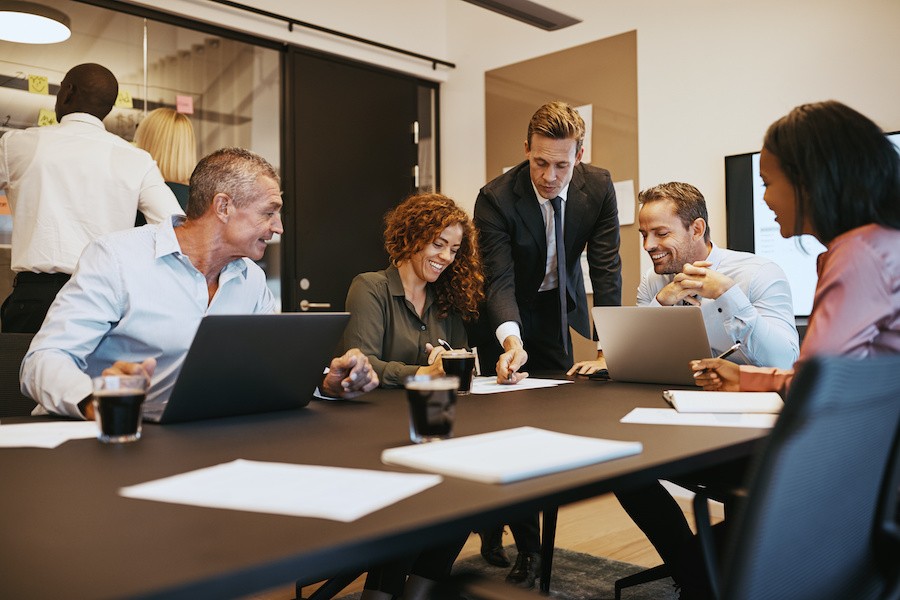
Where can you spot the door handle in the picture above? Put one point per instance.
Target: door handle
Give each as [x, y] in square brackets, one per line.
[306, 305]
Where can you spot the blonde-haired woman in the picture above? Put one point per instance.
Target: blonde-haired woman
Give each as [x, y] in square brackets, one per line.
[168, 137]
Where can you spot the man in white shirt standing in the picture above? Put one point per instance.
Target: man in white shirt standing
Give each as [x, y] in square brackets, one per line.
[67, 184]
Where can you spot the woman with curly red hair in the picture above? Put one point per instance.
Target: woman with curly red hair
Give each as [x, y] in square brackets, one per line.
[433, 284]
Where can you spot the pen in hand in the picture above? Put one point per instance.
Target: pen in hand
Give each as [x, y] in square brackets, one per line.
[725, 354]
[445, 345]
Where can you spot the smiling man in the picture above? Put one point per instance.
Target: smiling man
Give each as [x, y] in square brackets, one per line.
[744, 297]
[137, 296]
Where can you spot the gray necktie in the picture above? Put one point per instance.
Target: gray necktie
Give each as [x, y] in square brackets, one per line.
[561, 271]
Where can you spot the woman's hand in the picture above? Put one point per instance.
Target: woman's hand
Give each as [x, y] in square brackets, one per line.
[716, 374]
[435, 364]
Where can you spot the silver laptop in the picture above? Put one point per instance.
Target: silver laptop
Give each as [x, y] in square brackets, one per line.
[245, 364]
[651, 344]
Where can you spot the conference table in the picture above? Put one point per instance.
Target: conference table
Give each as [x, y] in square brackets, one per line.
[65, 531]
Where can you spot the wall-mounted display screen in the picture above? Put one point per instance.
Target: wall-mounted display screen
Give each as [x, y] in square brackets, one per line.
[752, 228]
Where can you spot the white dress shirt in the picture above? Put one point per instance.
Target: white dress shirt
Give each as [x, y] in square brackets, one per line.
[70, 183]
[757, 310]
[134, 295]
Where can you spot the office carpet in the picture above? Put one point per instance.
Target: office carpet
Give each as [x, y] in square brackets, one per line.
[577, 576]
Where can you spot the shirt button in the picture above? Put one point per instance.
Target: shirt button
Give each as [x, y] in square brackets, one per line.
[720, 310]
[422, 328]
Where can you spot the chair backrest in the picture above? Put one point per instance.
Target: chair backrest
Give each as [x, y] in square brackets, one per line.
[810, 525]
[13, 347]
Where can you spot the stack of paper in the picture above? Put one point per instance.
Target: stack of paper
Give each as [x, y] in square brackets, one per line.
[695, 401]
[509, 455]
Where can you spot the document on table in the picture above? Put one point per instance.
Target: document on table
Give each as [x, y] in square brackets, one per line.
[670, 416]
[45, 435]
[315, 491]
[696, 401]
[489, 385]
[508, 455]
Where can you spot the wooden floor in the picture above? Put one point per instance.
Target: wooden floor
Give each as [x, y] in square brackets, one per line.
[597, 526]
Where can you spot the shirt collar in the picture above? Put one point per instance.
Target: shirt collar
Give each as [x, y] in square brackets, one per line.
[562, 194]
[167, 243]
[395, 284]
[715, 257]
[79, 117]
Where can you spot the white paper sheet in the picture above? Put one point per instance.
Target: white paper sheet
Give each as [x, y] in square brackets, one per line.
[670, 416]
[509, 455]
[285, 489]
[489, 385]
[45, 435]
[696, 401]
[625, 199]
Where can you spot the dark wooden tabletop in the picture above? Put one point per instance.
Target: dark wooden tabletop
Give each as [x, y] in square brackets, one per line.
[64, 530]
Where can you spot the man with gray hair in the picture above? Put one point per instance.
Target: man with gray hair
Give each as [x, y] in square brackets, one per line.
[137, 296]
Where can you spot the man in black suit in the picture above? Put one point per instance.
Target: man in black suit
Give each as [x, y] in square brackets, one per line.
[518, 216]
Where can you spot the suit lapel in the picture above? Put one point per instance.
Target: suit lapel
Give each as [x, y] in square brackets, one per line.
[528, 208]
[576, 210]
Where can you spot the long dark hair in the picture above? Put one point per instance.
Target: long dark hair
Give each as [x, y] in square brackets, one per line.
[845, 172]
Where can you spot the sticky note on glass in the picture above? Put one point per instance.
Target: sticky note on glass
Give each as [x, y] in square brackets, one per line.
[37, 84]
[46, 117]
[184, 104]
[123, 100]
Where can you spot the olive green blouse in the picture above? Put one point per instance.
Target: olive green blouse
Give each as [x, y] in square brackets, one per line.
[385, 327]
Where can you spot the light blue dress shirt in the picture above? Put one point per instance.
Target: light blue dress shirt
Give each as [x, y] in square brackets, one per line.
[134, 295]
[757, 310]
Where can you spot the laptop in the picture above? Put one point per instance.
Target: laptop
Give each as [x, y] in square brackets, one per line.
[651, 344]
[247, 364]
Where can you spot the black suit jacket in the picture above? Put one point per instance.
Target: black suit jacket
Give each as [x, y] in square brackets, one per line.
[514, 245]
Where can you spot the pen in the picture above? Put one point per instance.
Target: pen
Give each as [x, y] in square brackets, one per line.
[445, 344]
[730, 351]
[725, 354]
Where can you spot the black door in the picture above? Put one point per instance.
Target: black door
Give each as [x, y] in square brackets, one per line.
[350, 157]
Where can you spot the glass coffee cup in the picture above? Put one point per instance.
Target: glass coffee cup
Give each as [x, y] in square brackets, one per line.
[432, 407]
[118, 406]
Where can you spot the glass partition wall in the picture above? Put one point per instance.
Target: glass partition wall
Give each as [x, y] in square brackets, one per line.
[231, 89]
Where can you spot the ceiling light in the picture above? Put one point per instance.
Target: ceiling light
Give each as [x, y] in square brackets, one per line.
[31, 23]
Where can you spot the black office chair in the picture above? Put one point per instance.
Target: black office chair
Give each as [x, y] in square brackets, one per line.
[13, 347]
[820, 517]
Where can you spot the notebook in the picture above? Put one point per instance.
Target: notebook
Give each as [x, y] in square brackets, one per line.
[696, 401]
[246, 364]
[651, 344]
[508, 455]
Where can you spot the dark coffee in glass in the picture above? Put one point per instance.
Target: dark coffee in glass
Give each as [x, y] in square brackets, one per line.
[118, 401]
[432, 407]
[460, 363]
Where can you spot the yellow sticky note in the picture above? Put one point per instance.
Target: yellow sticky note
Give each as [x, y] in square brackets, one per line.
[37, 84]
[46, 117]
[123, 100]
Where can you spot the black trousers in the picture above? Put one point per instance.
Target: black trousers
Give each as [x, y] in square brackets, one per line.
[658, 515]
[542, 339]
[432, 563]
[33, 293]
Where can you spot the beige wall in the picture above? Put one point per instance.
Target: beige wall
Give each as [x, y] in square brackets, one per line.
[712, 74]
[512, 94]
